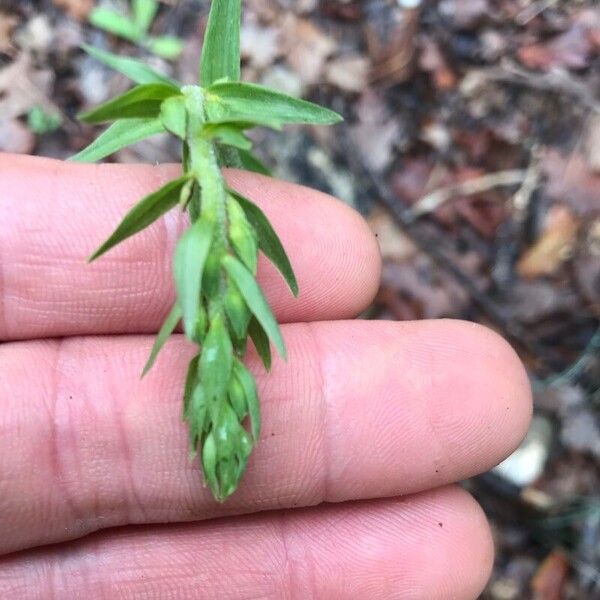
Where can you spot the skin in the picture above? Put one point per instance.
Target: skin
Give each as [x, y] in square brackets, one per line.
[366, 428]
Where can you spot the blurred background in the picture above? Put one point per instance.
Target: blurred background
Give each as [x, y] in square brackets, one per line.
[472, 147]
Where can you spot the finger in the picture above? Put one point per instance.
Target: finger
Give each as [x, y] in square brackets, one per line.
[361, 410]
[434, 545]
[55, 214]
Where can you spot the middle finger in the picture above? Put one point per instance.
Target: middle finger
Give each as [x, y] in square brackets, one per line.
[360, 410]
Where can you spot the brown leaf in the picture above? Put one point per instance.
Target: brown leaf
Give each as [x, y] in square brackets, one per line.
[570, 50]
[22, 87]
[553, 246]
[78, 9]
[571, 181]
[7, 25]
[548, 582]
[348, 73]
[306, 48]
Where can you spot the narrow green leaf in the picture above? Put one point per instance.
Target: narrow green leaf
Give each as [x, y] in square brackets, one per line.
[144, 12]
[228, 134]
[165, 46]
[163, 335]
[216, 361]
[255, 300]
[268, 240]
[246, 380]
[173, 114]
[261, 342]
[144, 213]
[251, 163]
[143, 101]
[236, 101]
[190, 256]
[221, 49]
[133, 69]
[114, 22]
[191, 380]
[119, 135]
[236, 310]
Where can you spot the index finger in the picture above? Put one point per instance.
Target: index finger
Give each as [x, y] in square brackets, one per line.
[55, 214]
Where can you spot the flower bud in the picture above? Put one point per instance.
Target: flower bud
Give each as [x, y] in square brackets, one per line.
[242, 235]
[237, 311]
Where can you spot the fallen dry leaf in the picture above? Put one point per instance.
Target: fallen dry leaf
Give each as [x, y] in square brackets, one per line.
[549, 581]
[78, 9]
[15, 137]
[348, 73]
[570, 50]
[22, 87]
[553, 246]
[571, 181]
[7, 26]
[307, 48]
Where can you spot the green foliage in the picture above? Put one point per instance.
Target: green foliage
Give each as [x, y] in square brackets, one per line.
[41, 121]
[135, 28]
[219, 299]
[120, 134]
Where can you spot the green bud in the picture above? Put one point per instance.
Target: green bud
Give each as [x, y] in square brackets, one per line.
[237, 397]
[201, 324]
[237, 311]
[197, 417]
[242, 235]
[209, 464]
[186, 193]
[216, 360]
[212, 274]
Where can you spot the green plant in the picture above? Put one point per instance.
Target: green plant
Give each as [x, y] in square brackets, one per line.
[218, 297]
[40, 121]
[135, 28]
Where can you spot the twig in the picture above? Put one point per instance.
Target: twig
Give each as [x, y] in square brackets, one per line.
[522, 197]
[435, 199]
[557, 80]
[405, 219]
[533, 10]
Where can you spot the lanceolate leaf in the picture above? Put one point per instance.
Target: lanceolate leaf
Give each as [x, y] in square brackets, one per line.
[163, 335]
[235, 101]
[119, 135]
[255, 300]
[268, 240]
[216, 360]
[221, 50]
[229, 135]
[144, 12]
[173, 115]
[246, 380]
[133, 69]
[190, 257]
[143, 214]
[115, 23]
[143, 101]
[261, 343]
[251, 163]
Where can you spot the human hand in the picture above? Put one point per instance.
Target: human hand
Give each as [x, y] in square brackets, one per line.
[376, 419]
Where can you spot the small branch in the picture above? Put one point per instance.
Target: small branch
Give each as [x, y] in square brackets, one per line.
[435, 199]
[533, 10]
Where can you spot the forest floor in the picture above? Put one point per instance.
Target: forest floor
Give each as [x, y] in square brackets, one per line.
[472, 146]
